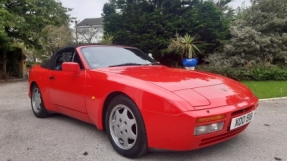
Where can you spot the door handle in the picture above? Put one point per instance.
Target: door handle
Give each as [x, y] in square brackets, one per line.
[52, 77]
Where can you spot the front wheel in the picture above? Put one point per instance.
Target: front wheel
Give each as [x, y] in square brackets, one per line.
[125, 127]
[37, 103]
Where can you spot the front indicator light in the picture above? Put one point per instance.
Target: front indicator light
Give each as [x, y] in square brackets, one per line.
[210, 118]
[204, 129]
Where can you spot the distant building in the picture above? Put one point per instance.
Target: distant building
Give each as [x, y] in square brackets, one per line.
[90, 30]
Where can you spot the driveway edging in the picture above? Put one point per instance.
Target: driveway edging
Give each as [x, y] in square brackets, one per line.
[273, 99]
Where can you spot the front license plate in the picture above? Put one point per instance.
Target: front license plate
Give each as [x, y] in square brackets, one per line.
[241, 120]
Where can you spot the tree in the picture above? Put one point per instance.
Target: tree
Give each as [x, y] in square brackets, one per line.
[6, 19]
[87, 34]
[259, 35]
[146, 24]
[150, 24]
[208, 21]
[24, 20]
[222, 4]
[33, 16]
[54, 37]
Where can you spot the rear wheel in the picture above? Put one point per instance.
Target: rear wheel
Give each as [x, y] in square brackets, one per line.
[125, 127]
[37, 103]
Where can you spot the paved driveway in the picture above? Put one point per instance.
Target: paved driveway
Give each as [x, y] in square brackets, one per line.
[26, 138]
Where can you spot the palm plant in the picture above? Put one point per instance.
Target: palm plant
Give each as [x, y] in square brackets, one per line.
[185, 46]
[108, 39]
[189, 46]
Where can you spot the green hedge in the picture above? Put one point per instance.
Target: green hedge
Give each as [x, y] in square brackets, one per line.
[256, 73]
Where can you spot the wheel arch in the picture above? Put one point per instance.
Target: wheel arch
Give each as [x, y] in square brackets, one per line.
[31, 86]
[108, 99]
[140, 144]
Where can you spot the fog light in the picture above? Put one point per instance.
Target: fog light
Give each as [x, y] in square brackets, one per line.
[199, 130]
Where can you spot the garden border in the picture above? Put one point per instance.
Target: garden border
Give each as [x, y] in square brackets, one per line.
[272, 99]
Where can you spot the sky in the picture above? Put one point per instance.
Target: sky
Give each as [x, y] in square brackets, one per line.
[93, 8]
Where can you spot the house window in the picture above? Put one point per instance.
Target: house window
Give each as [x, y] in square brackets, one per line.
[100, 30]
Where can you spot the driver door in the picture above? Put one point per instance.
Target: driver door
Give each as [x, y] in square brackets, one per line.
[66, 89]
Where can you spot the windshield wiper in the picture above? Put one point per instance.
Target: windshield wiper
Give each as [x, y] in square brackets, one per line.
[154, 63]
[126, 64]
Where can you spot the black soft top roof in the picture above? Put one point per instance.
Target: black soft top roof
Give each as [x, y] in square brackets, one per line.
[50, 63]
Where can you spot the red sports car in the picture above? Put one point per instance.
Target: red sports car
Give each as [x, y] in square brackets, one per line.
[141, 104]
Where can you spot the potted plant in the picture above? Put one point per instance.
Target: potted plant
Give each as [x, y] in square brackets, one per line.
[186, 47]
[189, 49]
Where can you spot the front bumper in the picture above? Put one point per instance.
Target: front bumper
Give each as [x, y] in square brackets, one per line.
[176, 132]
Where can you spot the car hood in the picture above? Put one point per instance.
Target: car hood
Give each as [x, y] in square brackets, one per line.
[171, 79]
[199, 89]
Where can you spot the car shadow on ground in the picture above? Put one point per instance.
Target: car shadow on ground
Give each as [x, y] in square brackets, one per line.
[206, 153]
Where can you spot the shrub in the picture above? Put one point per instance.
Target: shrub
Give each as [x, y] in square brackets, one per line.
[257, 72]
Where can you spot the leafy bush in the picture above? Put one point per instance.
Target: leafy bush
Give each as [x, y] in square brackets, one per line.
[257, 73]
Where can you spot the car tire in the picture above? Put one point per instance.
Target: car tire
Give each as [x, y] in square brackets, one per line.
[37, 103]
[125, 127]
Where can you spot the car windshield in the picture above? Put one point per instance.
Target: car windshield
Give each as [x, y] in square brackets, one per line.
[109, 56]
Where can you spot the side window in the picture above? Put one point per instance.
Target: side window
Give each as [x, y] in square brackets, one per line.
[67, 56]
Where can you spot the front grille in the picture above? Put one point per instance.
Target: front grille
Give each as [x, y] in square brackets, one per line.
[242, 111]
[222, 137]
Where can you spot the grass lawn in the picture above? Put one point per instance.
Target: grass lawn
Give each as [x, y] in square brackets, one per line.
[267, 89]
